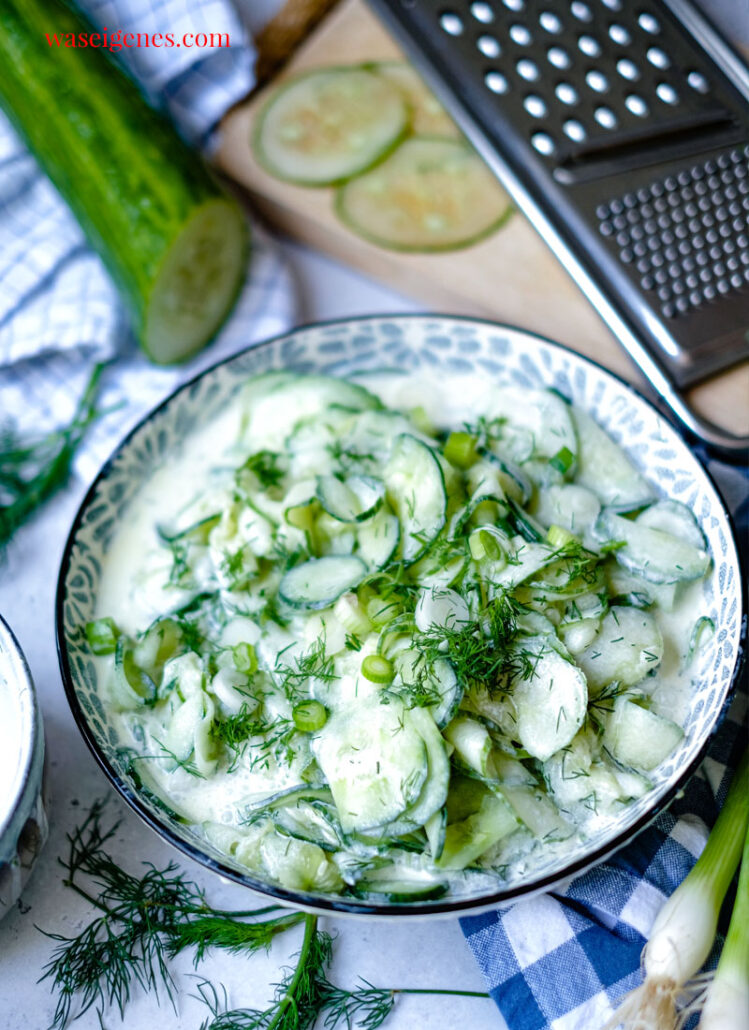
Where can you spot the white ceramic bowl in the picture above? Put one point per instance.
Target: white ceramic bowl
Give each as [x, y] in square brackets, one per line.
[23, 821]
[455, 348]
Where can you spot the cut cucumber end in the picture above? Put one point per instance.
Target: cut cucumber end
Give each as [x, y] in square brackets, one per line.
[197, 284]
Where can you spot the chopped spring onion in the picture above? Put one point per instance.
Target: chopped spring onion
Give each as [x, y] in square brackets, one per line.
[309, 716]
[102, 635]
[726, 1003]
[381, 611]
[563, 460]
[558, 536]
[245, 658]
[422, 421]
[377, 669]
[485, 543]
[684, 929]
[460, 450]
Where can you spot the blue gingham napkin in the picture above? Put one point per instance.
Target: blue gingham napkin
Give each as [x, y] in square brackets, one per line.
[561, 961]
[59, 312]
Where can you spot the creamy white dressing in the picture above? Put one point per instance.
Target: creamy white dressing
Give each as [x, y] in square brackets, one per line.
[134, 591]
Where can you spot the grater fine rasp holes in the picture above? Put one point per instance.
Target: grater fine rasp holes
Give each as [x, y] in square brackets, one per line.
[686, 236]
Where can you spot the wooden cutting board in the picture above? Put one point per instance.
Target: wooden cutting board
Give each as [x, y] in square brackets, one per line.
[511, 276]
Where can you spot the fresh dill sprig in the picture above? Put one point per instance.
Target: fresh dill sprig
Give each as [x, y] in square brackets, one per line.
[348, 458]
[142, 923]
[484, 651]
[266, 467]
[305, 994]
[30, 472]
[246, 733]
[313, 664]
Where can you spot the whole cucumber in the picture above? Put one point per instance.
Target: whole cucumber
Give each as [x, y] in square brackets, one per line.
[174, 243]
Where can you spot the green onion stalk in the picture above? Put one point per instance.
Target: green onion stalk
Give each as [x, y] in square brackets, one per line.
[726, 1001]
[684, 930]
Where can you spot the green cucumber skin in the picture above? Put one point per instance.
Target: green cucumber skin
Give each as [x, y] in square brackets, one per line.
[130, 181]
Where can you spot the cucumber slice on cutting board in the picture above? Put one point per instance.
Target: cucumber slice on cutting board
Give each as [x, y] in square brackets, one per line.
[431, 194]
[329, 124]
[428, 116]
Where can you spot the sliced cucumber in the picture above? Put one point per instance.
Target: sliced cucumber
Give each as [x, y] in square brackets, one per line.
[526, 560]
[428, 116]
[550, 698]
[328, 125]
[640, 738]
[604, 468]
[398, 885]
[319, 582]
[373, 433]
[378, 539]
[353, 499]
[632, 590]
[436, 677]
[434, 792]
[569, 505]
[472, 744]
[626, 648]
[675, 519]
[312, 821]
[544, 415]
[416, 488]
[277, 404]
[298, 864]
[131, 685]
[538, 812]
[435, 828]
[431, 194]
[440, 609]
[577, 781]
[375, 760]
[511, 478]
[651, 553]
[467, 840]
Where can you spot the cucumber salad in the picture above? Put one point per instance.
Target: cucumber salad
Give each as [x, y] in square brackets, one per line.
[398, 637]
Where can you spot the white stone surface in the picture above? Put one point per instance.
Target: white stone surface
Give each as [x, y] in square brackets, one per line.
[415, 954]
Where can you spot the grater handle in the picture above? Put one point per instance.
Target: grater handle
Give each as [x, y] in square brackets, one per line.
[720, 441]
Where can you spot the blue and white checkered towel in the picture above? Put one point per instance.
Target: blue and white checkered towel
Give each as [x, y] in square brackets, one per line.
[59, 311]
[561, 961]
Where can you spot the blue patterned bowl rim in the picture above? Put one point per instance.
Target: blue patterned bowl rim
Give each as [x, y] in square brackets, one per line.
[449, 906]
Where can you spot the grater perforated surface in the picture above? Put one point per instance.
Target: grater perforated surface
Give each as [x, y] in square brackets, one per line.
[579, 78]
[625, 142]
[687, 236]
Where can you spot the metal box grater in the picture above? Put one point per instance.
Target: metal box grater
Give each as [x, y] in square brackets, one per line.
[621, 129]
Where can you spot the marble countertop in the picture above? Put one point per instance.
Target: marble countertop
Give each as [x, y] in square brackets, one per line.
[387, 953]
